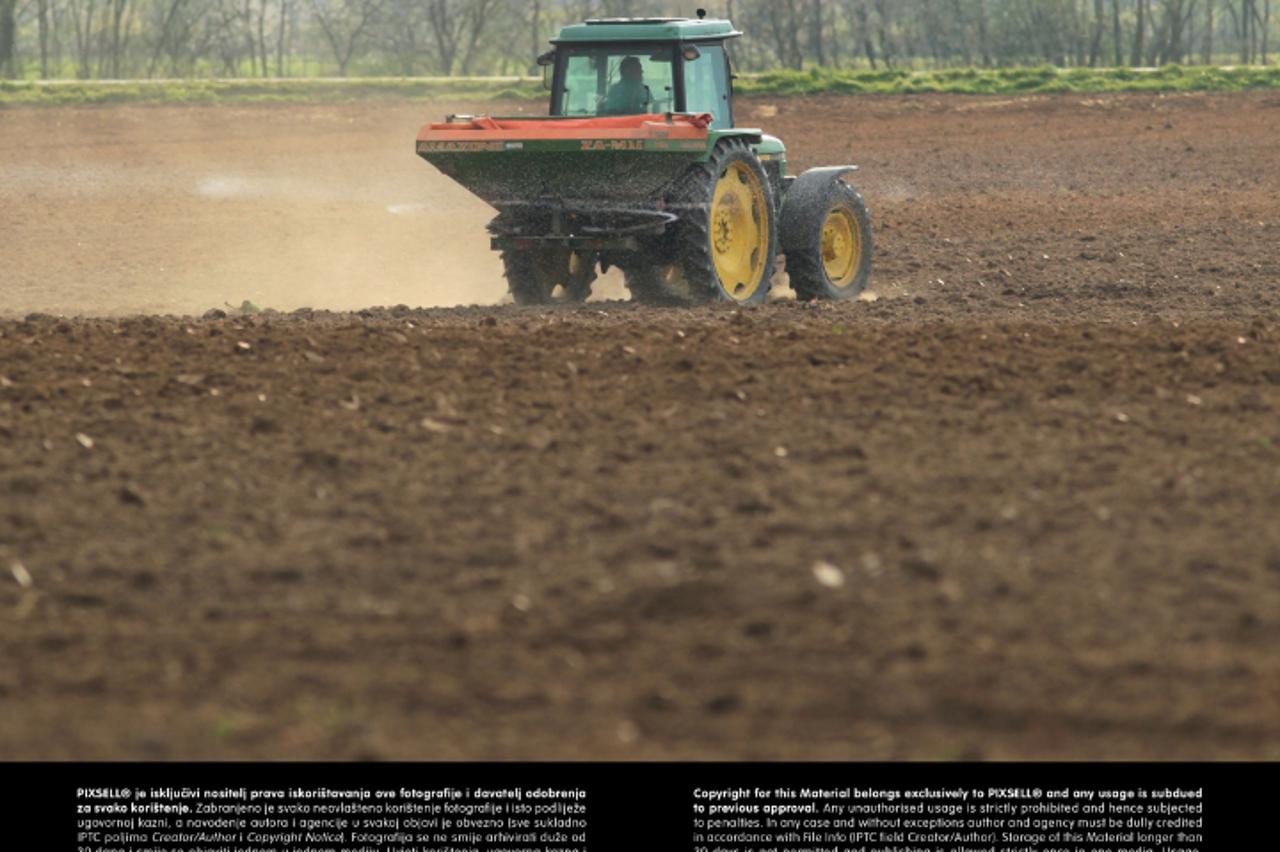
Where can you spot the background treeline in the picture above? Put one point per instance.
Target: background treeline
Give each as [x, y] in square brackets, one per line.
[136, 39]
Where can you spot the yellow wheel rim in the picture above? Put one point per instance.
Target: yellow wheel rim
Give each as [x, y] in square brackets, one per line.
[841, 247]
[739, 231]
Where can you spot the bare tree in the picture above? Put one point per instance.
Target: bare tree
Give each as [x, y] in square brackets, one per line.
[863, 18]
[404, 36]
[82, 14]
[457, 27]
[345, 23]
[121, 12]
[785, 19]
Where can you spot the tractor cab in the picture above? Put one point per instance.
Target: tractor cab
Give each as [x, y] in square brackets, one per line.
[642, 66]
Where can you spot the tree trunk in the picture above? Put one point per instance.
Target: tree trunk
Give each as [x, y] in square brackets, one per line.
[984, 42]
[793, 36]
[1139, 36]
[535, 35]
[1099, 24]
[815, 32]
[1263, 24]
[260, 40]
[479, 18]
[1161, 37]
[864, 26]
[1207, 55]
[886, 50]
[1078, 41]
[1116, 35]
[931, 32]
[43, 24]
[442, 27]
[280, 37]
[1245, 40]
[83, 23]
[8, 37]
[1178, 37]
[960, 26]
[117, 10]
[104, 40]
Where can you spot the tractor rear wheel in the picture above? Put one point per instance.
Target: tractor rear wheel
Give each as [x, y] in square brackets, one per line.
[726, 239]
[836, 260]
[549, 275]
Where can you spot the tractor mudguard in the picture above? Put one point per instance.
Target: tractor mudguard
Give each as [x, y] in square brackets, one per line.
[806, 193]
[749, 135]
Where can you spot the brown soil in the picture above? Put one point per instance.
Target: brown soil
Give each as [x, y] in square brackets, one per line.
[1021, 505]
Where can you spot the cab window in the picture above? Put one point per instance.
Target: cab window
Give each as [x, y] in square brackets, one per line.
[617, 80]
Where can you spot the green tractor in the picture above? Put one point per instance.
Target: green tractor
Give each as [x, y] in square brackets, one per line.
[641, 166]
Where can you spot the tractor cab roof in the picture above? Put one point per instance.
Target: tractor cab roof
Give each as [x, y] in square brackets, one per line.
[646, 29]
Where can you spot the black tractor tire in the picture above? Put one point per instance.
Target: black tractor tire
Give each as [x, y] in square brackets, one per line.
[691, 276]
[650, 285]
[549, 275]
[836, 217]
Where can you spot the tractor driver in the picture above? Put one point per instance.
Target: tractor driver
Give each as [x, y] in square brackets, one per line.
[628, 96]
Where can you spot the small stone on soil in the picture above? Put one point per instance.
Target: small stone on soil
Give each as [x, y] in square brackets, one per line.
[828, 575]
[21, 574]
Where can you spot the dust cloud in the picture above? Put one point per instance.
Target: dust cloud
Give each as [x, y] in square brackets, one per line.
[181, 209]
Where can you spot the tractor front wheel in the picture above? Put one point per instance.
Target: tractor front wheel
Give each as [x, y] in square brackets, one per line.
[831, 257]
[549, 275]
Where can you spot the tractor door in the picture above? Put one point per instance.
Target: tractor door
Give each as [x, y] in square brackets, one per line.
[706, 83]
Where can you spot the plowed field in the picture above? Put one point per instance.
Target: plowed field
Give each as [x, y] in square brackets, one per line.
[1021, 503]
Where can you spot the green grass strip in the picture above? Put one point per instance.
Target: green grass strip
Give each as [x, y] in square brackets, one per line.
[1011, 81]
[965, 81]
[87, 93]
